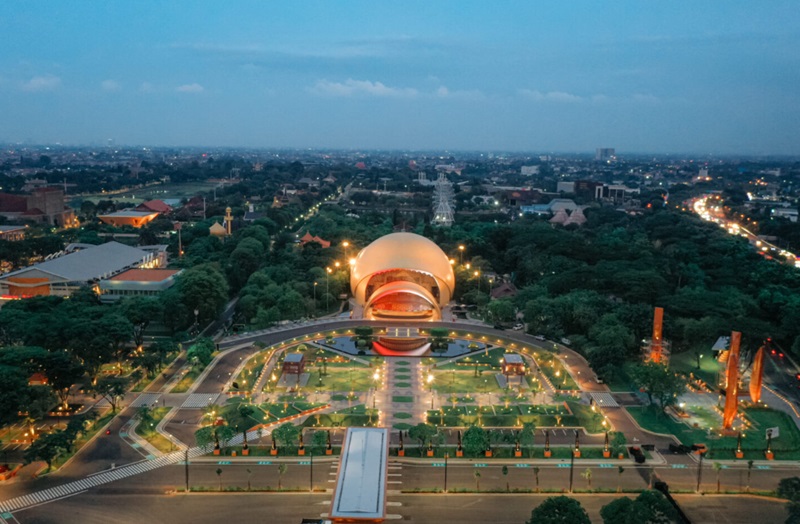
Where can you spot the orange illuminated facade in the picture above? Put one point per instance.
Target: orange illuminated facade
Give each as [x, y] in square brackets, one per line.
[130, 218]
[732, 382]
[402, 276]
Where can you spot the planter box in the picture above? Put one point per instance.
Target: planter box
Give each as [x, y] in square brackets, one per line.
[577, 453]
[517, 453]
[216, 452]
[245, 452]
[459, 454]
[430, 453]
[301, 452]
[401, 453]
[769, 455]
[548, 454]
[488, 453]
[273, 452]
[740, 454]
[606, 454]
[329, 452]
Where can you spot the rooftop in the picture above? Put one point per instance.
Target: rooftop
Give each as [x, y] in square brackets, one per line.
[129, 213]
[361, 486]
[146, 275]
[88, 264]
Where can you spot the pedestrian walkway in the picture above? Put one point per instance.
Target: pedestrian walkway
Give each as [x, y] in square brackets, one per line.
[200, 400]
[145, 399]
[79, 486]
[604, 400]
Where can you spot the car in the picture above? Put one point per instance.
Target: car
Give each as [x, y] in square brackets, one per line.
[566, 341]
[498, 326]
[539, 337]
[598, 380]
[518, 327]
[681, 449]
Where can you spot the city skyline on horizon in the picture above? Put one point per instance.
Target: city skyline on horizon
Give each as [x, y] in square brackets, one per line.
[669, 79]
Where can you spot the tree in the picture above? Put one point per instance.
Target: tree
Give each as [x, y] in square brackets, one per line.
[717, 470]
[146, 418]
[203, 288]
[789, 488]
[62, 371]
[659, 383]
[14, 394]
[47, 447]
[505, 475]
[536, 477]
[749, 471]
[422, 433]
[618, 442]
[219, 478]
[281, 470]
[205, 436]
[587, 474]
[501, 310]
[285, 434]
[140, 312]
[240, 416]
[475, 441]
[620, 471]
[112, 389]
[559, 510]
[527, 437]
[477, 475]
[650, 507]
[200, 353]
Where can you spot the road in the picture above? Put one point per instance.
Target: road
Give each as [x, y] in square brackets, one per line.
[96, 508]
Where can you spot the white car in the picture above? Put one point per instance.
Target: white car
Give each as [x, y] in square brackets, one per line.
[517, 327]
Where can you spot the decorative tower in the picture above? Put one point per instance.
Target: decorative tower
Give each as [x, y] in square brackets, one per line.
[656, 349]
[732, 386]
[443, 202]
[228, 221]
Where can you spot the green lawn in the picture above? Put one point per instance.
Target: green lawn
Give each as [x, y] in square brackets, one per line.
[464, 382]
[402, 398]
[186, 382]
[343, 379]
[249, 374]
[402, 377]
[83, 439]
[402, 385]
[152, 436]
[686, 363]
[786, 447]
[555, 371]
[402, 370]
[357, 415]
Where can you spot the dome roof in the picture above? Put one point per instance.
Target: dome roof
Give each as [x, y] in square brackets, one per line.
[402, 251]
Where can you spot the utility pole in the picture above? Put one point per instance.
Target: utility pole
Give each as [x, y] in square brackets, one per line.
[446, 456]
[700, 471]
[186, 467]
[572, 465]
[311, 474]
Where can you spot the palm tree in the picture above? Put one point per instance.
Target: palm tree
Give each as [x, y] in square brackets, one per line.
[620, 470]
[249, 472]
[219, 477]
[281, 470]
[505, 474]
[477, 475]
[587, 474]
[536, 476]
[717, 469]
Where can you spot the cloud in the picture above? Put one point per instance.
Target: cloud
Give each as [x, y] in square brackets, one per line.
[465, 94]
[190, 88]
[645, 98]
[352, 87]
[110, 85]
[551, 96]
[146, 87]
[42, 83]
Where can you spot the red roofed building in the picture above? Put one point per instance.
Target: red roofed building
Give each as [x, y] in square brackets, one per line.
[159, 206]
[308, 238]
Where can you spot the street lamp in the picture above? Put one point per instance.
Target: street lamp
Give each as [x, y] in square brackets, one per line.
[196, 313]
[328, 271]
[461, 254]
[478, 276]
[315, 298]
[430, 382]
[346, 245]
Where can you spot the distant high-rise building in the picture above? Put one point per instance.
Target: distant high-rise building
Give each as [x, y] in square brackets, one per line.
[604, 154]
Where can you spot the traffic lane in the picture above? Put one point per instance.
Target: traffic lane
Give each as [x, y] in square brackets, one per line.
[414, 508]
[217, 379]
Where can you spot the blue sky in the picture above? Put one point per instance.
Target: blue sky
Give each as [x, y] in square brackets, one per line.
[662, 77]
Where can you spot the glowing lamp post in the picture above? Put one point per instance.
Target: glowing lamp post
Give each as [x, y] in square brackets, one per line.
[328, 271]
[430, 383]
[461, 254]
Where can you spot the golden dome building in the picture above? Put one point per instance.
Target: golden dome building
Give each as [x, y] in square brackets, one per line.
[402, 276]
